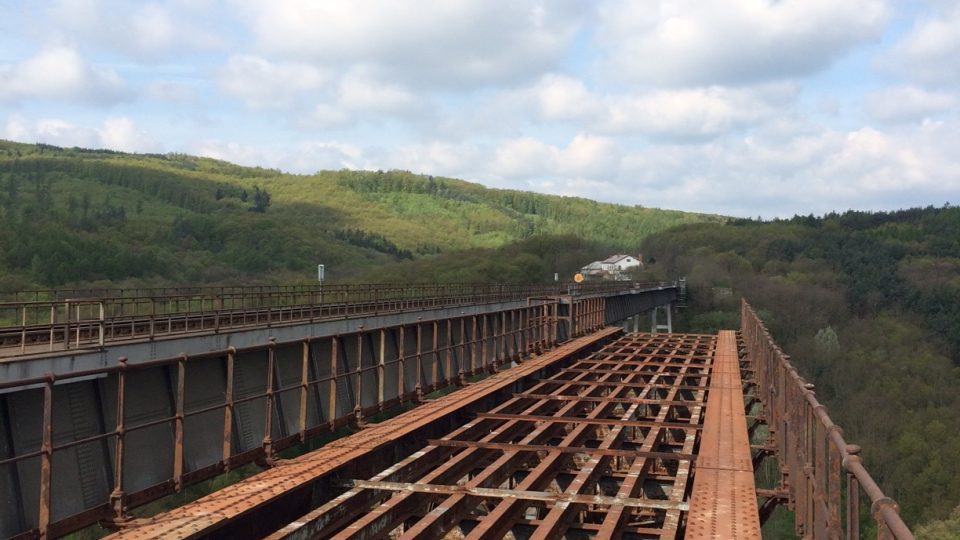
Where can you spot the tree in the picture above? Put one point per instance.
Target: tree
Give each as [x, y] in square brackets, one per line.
[261, 199]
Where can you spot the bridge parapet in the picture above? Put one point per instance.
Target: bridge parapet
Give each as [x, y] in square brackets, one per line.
[819, 470]
[45, 321]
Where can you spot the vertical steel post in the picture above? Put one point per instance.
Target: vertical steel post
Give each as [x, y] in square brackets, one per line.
[358, 405]
[483, 341]
[217, 308]
[228, 410]
[381, 368]
[304, 380]
[178, 423]
[449, 356]
[53, 320]
[23, 330]
[473, 346]
[504, 354]
[833, 480]
[117, 498]
[573, 316]
[435, 370]
[46, 458]
[419, 387]
[555, 325]
[463, 351]
[100, 339]
[853, 495]
[332, 403]
[268, 419]
[401, 361]
[66, 326]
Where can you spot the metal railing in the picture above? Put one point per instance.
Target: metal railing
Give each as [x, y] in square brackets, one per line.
[823, 474]
[37, 295]
[140, 314]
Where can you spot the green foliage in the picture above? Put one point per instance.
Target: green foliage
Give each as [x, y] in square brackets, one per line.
[868, 305]
[533, 260]
[947, 529]
[261, 199]
[71, 216]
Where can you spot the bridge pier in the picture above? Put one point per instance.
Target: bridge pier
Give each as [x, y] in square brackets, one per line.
[655, 325]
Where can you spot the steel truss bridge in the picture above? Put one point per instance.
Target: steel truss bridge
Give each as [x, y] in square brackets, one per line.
[423, 411]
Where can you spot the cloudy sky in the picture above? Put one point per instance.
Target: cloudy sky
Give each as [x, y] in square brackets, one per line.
[739, 107]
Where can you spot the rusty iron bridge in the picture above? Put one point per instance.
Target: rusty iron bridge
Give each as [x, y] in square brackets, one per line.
[422, 411]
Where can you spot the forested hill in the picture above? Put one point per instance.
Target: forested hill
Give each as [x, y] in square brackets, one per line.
[868, 305]
[77, 216]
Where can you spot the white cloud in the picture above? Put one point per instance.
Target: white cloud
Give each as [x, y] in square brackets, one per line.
[679, 114]
[60, 73]
[114, 133]
[563, 97]
[783, 169]
[590, 156]
[434, 42]
[322, 115]
[705, 42]
[262, 84]
[585, 156]
[170, 92]
[120, 133]
[49, 130]
[358, 92]
[907, 104]
[145, 31]
[525, 158]
[814, 170]
[930, 52]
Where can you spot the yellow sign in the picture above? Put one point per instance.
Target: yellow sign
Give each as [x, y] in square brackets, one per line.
[578, 277]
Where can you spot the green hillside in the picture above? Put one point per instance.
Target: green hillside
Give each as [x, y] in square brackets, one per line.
[75, 216]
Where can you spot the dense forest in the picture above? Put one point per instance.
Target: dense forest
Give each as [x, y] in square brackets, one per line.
[75, 216]
[868, 305]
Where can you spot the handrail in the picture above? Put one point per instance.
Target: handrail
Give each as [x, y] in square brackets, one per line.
[97, 319]
[812, 448]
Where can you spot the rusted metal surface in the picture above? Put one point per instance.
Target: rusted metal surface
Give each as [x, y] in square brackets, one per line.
[44, 321]
[210, 513]
[328, 385]
[724, 500]
[818, 468]
[606, 460]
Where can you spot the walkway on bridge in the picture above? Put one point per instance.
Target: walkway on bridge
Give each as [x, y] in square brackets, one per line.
[644, 438]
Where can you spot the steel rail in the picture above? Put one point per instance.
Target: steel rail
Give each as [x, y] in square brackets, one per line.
[811, 449]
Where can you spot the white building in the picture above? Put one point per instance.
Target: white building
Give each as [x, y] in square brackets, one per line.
[620, 263]
[613, 267]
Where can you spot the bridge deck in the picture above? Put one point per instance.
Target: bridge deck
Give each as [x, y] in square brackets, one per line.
[595, 447]
[724, 501]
